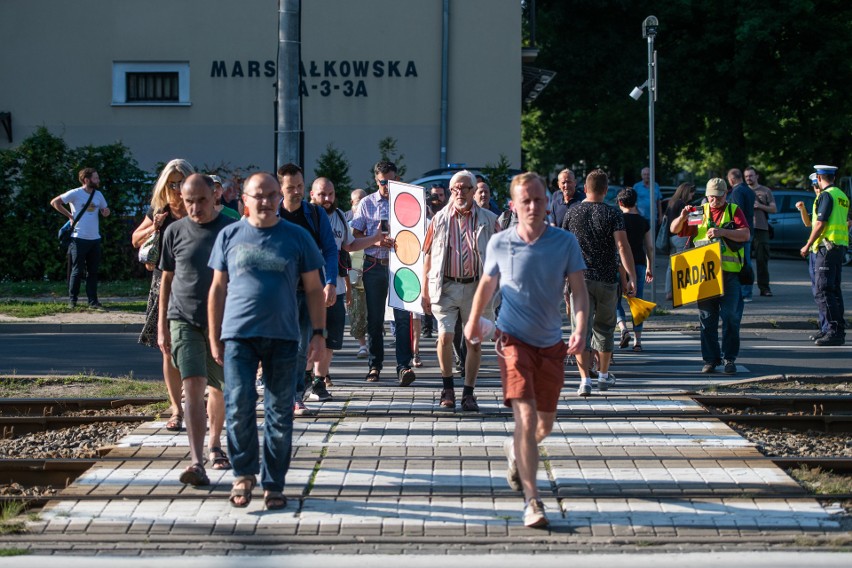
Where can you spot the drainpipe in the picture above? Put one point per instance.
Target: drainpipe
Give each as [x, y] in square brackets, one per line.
[445, 57]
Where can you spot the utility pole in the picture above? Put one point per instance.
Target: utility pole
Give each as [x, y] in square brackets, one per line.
[288, 128]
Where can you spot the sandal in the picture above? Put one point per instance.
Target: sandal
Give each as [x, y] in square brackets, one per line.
[175, 423]
[373, 376]
[219, 458]
[274, 500]
[637, 348]
[241, 489]
[327, 380]
[194, 475]
[625, 339]
[406, 377]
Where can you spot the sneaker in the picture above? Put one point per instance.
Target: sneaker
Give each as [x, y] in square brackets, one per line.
[710, 367]
[767, 292]
[817, 335]
[318, 392]
[730, 368]
[362, 352]
[747, 300]
[469, 403]
[828, 340]
[299, 409]
[584, 390]
[97, 306]
[416, 362]
[605, 383]
[427, 334]
[512, 475]
[448, 398]
[534, 516]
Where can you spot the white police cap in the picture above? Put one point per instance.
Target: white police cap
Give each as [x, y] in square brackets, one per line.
[825, 170]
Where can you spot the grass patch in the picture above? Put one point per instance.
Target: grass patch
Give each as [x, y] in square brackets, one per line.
[9, 522]
[81, 386]
[822, 482]
[13, 552]
[33, 309]
[39, 288]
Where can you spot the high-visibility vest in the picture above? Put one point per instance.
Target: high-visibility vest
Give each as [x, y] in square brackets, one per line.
[835, 230]
[732, 261]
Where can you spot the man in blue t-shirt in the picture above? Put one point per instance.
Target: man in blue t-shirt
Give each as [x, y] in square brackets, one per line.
[257, 265]
[643, 196]
[531, 263]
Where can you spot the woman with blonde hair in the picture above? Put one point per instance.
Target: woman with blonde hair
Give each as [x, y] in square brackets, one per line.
[166, 208]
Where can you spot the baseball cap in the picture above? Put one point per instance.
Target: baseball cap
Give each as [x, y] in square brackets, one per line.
[716, 187]
[216, 179]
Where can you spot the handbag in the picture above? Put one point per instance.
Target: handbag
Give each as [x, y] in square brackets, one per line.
[149, 252]
[663, 242]
[67, 229]
[746, 275]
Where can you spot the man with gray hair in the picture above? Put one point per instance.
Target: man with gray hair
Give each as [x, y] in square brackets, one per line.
[454, 253]
[354, 199]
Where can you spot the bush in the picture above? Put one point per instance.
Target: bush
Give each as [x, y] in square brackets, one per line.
[41, 168]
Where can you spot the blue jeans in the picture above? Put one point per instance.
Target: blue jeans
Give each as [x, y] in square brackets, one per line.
[85, 254]
[823, 324]
[376, 289]
[278, 357]
[829, 298]
[640, 287]
[730, 307]
[747, 291]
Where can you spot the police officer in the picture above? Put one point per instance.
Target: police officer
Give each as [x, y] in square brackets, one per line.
[808, 218]
[715, 226]
[828, 241]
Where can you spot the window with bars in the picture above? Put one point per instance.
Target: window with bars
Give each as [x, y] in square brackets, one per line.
[150, 83]
[153, 87]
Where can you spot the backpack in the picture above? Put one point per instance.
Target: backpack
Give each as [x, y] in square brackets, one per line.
[344, 261]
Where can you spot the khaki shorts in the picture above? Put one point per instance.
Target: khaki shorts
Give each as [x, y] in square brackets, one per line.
[191, 354]
[529, 372]
[456, 301]
[601, 321]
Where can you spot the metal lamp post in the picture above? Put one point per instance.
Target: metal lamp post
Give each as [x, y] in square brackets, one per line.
[649, 31]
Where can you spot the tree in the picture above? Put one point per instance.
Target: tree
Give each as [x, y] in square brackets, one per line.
[388, 153]
[740, 82]
[332, 164]
[498, 178]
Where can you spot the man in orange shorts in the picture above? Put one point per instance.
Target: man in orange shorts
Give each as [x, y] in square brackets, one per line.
[531, 262]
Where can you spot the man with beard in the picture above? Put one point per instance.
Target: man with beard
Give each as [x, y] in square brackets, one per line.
[322, 195]
[85, 247]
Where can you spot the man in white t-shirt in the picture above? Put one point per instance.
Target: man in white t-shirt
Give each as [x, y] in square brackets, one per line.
[322, 194]
[85, 247]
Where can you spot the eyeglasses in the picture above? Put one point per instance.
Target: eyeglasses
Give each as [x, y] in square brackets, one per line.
[174, 185]
[461, 189]
[261, 197]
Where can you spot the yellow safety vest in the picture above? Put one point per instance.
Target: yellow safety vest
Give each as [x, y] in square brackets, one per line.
[732, 261]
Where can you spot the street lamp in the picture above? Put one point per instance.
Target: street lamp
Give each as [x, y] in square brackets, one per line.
[649, 31]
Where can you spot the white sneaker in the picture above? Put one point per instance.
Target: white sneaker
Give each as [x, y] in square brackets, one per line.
[534, 516]
[362, 352]
[512, 475]
[584, 390]
[605, 383]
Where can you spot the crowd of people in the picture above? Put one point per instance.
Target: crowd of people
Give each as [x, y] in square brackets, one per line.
[251, 287]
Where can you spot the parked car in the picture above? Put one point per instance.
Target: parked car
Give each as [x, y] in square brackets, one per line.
[790, 233]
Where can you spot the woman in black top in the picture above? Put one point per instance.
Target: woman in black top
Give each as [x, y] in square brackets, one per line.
[638, 231]
[166, 208]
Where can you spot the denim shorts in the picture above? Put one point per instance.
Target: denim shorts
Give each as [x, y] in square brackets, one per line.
[191, 354]
[335, 321]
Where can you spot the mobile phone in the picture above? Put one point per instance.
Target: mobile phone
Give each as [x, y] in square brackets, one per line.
[383, 226]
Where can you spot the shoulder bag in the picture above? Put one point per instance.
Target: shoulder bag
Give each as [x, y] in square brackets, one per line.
[67, 229]
[663, 243]
[149, 252]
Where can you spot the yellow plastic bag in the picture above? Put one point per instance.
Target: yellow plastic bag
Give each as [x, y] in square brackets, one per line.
[640, 309]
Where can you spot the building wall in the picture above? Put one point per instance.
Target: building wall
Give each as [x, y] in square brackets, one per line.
[58, 58]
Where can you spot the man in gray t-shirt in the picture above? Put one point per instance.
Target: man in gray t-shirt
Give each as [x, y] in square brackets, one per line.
[182, 325]
[531, 263]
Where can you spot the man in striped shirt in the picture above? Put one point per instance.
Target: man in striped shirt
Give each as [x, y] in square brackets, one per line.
[454, 252]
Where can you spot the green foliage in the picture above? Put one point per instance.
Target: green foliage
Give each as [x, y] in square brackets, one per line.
[761, 88]
[389, 153]
[332, 164]
[41, 168]
[498, 178]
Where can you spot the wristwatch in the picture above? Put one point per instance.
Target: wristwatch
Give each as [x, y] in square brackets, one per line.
[320, 331]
